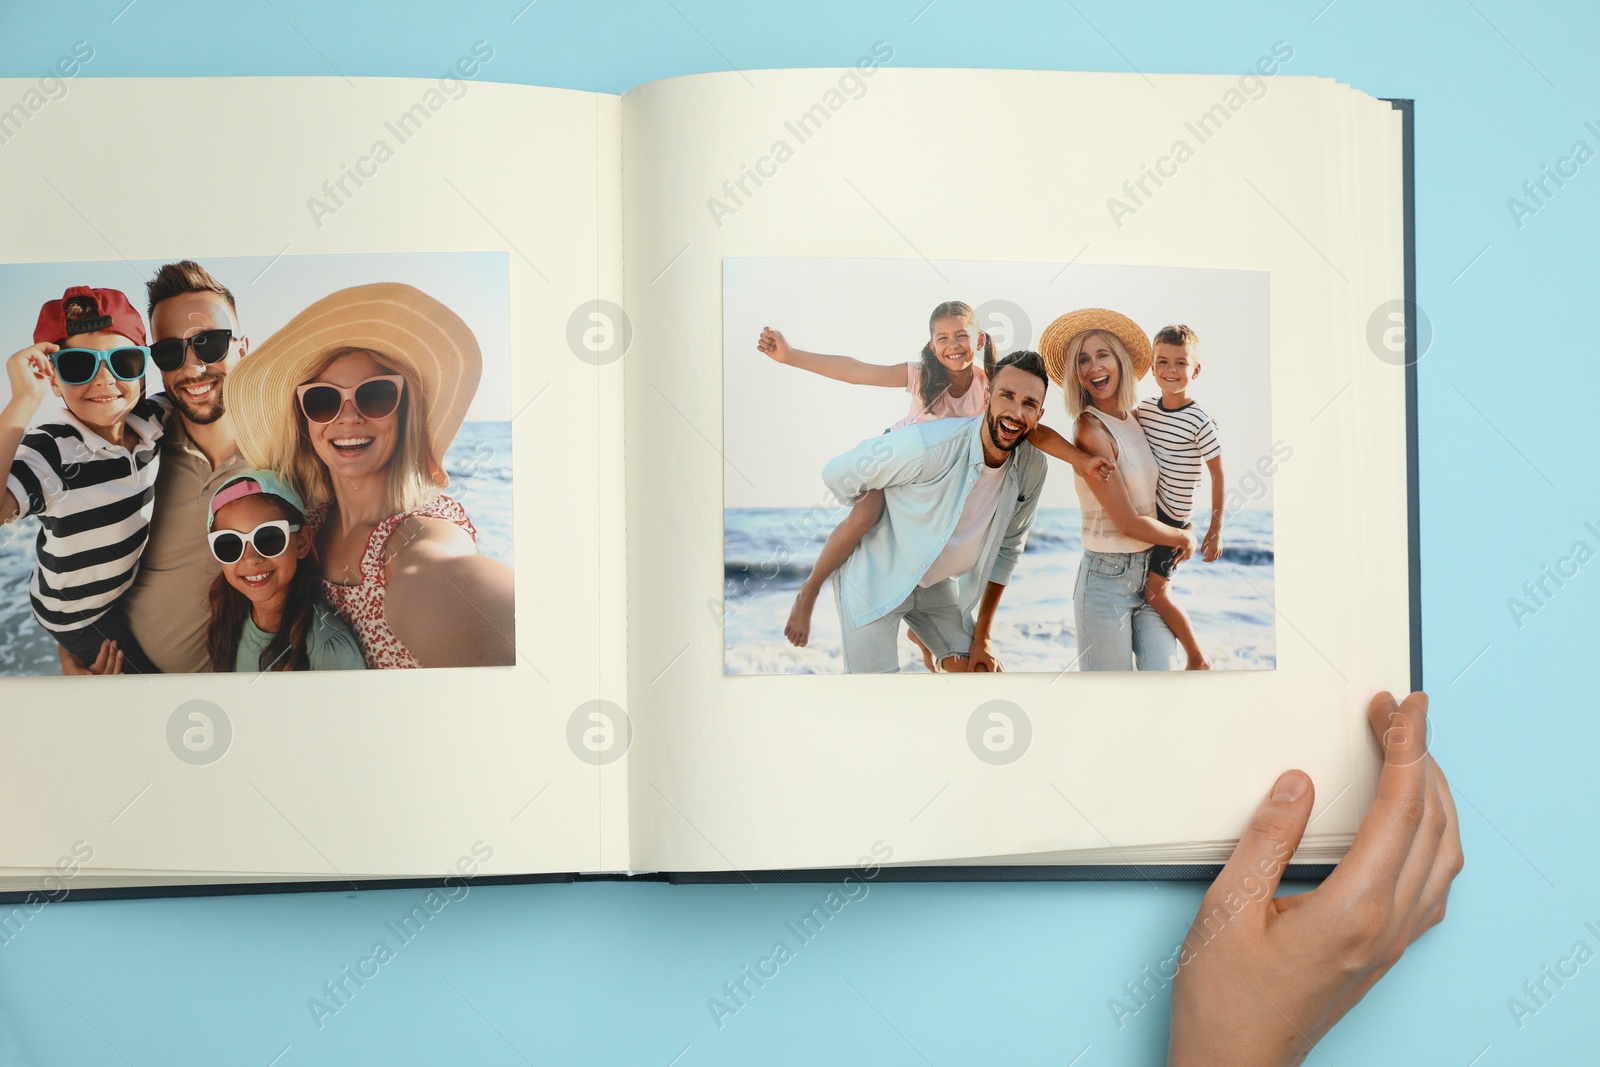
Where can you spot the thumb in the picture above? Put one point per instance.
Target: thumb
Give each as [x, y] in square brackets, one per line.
[1258, 862]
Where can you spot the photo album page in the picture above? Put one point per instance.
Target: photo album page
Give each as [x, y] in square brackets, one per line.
[1059, 380]
[298, 394]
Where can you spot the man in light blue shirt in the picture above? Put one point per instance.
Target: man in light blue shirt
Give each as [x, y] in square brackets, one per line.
[959, 496]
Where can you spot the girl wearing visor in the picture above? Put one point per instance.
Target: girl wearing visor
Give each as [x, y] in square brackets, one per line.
[267, 612]
[87, 472]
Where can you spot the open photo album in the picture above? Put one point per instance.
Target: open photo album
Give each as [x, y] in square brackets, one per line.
[753, 476]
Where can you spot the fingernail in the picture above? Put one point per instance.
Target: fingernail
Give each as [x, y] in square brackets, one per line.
[1291, 786]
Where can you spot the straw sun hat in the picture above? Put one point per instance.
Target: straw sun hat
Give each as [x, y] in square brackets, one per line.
[423, 339]
[1059, 334]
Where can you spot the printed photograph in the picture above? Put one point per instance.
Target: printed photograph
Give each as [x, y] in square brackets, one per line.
[256, 464]
[966, 467]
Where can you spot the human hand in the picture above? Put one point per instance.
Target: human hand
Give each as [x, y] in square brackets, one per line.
[30, 374]
[1186, 549]
[1097, 467]
[109, 661]
[772, 343]
[981, 658]
[1289, 968]
[1211, 547]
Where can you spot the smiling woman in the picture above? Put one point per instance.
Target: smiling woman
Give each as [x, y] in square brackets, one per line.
[1097, 356]
[355, 402]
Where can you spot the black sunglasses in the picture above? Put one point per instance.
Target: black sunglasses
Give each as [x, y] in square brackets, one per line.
[208, 346]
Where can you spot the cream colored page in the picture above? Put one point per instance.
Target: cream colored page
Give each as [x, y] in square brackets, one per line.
[1379, 429]
[345, 774]
[762, 772]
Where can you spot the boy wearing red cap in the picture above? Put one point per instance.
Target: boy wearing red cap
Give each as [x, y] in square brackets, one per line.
[88, 475]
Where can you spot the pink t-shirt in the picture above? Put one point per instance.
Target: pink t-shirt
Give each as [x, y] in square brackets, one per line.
[975, 401]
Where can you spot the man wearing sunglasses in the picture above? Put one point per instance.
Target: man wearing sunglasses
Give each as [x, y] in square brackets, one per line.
[196, 342]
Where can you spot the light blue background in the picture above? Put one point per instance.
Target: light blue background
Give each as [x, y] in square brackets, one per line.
[968, 973]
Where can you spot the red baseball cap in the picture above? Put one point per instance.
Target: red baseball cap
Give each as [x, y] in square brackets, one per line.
[112, 311]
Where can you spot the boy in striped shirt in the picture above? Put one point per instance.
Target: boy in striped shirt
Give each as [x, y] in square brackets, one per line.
[89, 474]
[1183, 438]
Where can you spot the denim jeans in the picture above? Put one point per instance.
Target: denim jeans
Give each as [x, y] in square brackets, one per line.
[1116, 629]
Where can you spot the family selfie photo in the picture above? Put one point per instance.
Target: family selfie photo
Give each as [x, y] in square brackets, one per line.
[255, 465]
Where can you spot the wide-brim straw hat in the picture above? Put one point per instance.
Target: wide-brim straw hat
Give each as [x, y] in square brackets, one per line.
[1059, 334]
[424, 340]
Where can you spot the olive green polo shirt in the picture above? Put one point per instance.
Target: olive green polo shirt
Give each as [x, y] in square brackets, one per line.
[167, 606]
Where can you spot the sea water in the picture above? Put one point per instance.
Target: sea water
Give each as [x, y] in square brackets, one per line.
[769, 551]
[479, 465]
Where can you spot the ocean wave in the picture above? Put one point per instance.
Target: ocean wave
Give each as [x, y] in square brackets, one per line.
[1044, 539]
[1243, 555]
[766, 574]
[471, 471]
[1228, 601]
[791, 571]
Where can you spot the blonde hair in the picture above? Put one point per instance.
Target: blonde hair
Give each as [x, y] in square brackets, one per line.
[410, 467]
[1127, 383]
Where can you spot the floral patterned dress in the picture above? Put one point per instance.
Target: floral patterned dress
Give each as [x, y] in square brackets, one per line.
[361, 605]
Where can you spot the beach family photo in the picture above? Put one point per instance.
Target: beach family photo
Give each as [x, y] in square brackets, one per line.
[256, 464]
[966, 467]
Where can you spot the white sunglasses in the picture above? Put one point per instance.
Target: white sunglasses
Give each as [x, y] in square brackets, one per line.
[269, 540]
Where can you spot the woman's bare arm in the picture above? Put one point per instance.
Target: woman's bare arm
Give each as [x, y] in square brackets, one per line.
[1112, 493]
[450, 606]
[839, 368]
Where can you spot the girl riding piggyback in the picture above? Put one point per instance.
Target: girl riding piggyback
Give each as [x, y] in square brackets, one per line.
[950, 380]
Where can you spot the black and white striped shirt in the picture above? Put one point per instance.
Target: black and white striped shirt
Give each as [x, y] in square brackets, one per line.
[1182, 440]
[93, 500]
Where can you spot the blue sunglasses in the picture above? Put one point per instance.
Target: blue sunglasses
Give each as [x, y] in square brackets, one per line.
[79, 366]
